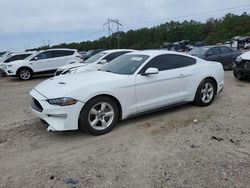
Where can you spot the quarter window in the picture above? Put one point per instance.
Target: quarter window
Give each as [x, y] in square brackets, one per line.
[170, 61]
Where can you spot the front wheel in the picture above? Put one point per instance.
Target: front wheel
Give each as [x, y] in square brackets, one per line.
[238, 75]
[205, 93]
[99, 115]
[2, 73]
[24, 74]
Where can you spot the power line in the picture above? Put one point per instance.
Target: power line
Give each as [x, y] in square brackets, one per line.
[108, 25]
[116, 22]
[190, 15]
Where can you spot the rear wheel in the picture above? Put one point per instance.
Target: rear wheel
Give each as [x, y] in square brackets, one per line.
[2, 73]
[205, 93]
[24, 74]
[99, 115]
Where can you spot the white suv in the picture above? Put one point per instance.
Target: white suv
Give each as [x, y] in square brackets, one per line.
[93, 63]
[12, 57]
[42, 62]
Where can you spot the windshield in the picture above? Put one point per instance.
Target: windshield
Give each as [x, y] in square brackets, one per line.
[31, 56]
[125, 64]
[199, 51]
[95, 57]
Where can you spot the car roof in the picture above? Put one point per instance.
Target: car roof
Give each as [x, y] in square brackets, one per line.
[160, 52]
[117, 50]
[20, 53]
[52, 49]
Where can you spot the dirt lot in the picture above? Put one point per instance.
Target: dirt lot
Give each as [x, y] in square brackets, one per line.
[164, 149]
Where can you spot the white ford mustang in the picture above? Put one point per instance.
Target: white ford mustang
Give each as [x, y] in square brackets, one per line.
[133, 84]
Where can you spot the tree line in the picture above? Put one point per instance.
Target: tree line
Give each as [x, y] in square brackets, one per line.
[211, 32]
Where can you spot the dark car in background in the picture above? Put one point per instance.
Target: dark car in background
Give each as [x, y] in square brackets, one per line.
[241, 67]
[223, 54]
[90, 53]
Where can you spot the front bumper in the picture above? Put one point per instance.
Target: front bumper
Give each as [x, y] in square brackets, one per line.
[9, 70]
[59, 118]
[243, 69]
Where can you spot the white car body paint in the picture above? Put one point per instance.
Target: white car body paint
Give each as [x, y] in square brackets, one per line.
[135, 93]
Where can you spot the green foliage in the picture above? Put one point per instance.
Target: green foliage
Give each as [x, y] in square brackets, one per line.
[212, 32]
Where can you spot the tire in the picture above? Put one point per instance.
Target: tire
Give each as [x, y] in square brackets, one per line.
[24, 73]
[205, 93]
[2, 73]
[99, 115]
[238, 75]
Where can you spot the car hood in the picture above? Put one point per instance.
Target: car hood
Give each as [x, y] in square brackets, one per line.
[73, 65]
[246, 56]
[68, 85]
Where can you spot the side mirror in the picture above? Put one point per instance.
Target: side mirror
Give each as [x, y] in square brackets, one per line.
[103, 61]
[150, 71]
[35, 58]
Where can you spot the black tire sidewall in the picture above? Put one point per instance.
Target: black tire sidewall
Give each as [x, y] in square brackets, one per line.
[83, 118]
[198, 99]
[237, 74]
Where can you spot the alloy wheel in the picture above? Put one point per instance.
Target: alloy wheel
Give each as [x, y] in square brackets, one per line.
[101, 116]
[25, 74]
[207, 92]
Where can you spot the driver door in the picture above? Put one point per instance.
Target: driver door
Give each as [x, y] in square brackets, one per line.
[42, 62]
[168, 87]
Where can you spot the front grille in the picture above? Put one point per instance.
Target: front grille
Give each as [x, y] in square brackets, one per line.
[36, 105]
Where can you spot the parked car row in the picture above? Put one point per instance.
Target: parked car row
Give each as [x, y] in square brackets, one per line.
[93, 63]
[133, 83]
[41, 62]
[223, 54]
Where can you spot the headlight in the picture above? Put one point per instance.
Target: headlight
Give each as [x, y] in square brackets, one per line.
[238, 59]
[11, 65]
[64, 101]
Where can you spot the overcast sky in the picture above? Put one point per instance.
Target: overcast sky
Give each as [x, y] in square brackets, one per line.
[31, 23]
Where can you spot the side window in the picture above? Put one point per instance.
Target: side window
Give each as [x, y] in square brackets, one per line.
[17, 57]
[112, 56]
[68, 53]
[61, 53]
[225, 49]
[214, 51]
[171, 61]
[10, 59]
[43, 55]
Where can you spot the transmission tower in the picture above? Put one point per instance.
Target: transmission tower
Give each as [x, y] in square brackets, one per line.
[113, 25]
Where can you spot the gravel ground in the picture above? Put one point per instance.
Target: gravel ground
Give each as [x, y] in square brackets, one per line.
[187, 146]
